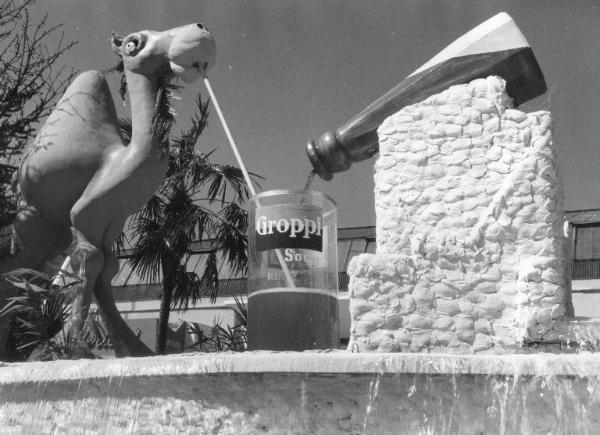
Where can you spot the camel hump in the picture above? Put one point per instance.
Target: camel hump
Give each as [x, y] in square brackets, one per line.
[89, 99]
[90, 81]
[84, 121]
[71, 144]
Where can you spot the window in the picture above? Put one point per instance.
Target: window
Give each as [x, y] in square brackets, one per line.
[349, 248]
[371, 246]
[587, 242]
[343, 250]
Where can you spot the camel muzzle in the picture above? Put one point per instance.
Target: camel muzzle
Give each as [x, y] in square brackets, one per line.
[192, 52]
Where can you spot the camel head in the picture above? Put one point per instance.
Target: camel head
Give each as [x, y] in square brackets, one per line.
[187, 51]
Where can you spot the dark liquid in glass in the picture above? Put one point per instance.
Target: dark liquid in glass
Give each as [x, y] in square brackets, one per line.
[286, 320]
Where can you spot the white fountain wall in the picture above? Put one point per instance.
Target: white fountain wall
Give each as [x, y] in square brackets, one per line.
[324, 393]
[471, 255]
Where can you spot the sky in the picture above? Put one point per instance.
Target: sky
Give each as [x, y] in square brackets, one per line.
[287, 71]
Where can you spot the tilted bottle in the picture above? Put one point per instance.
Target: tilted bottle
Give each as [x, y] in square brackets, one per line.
[495, 47]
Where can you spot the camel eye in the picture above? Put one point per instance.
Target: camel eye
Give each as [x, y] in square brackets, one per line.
[132, 46]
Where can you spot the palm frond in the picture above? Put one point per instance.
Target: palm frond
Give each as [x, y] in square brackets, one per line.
[200, 337]
[153, 210]
[228, 339]
[39, 313]
[242, 310]
[183, 145]
[231, 237]
[223, 176]
[164, 116]
[210, 277]
[151, 250]
[119, 244]
[187, 289]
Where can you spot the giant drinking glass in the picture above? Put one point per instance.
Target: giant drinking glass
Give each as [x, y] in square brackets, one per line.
[292, 276]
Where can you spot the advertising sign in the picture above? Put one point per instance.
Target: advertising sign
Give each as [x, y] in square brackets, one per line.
[289, 226]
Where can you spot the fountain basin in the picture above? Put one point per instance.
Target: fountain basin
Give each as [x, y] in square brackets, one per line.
[307, 392]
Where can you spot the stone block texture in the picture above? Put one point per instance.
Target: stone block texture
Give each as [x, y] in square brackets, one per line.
[471, 252]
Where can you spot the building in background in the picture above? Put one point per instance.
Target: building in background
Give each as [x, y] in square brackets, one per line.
[584, 233]
[139, 301]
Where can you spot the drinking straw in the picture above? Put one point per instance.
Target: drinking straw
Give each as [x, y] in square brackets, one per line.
[284, 267]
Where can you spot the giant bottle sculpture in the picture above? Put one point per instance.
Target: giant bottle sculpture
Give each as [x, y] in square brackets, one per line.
[495, 47]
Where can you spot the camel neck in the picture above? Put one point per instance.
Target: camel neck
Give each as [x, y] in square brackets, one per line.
[142, 95]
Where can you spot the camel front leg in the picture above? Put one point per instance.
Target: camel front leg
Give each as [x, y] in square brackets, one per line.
[126, 343]
[93, 218]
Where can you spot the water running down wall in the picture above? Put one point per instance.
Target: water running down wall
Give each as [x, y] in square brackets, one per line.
[306, 392]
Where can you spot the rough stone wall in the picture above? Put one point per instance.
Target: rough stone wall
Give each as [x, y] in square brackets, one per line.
[470, 245]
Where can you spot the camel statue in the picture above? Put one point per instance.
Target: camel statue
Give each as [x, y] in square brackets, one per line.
[78, 182]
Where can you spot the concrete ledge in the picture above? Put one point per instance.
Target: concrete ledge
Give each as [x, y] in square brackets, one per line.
[335, 362]
[310, 392]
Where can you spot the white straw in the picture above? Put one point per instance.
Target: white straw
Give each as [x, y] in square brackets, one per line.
[284, 267]
[234, 147]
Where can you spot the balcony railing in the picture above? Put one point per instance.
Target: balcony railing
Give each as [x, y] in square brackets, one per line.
[585, 269]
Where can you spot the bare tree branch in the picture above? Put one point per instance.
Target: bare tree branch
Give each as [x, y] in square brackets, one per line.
[32, 81]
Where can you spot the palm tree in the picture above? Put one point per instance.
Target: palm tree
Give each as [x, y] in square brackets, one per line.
[37, 315]
[199, 200]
